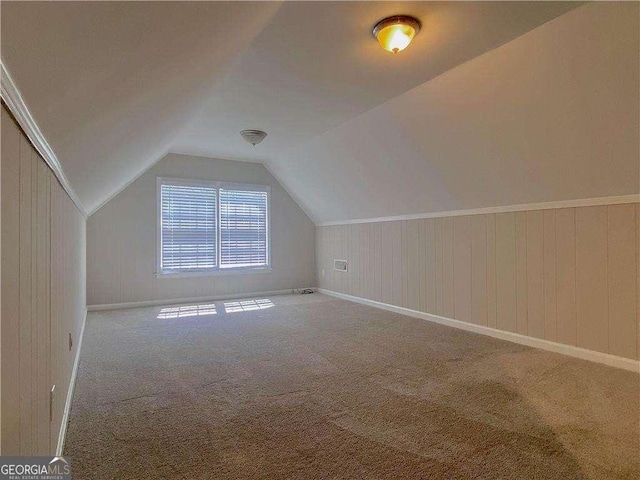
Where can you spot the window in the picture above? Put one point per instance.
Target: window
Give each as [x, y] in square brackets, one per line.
[243, 228]
[212, 227]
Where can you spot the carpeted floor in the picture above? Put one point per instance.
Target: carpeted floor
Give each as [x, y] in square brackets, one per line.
[310, 387]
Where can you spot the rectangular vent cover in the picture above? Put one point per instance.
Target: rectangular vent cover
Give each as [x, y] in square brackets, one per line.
[340, 265]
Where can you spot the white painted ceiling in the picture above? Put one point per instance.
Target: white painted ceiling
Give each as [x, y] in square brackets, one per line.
[112, 84]
[115, 86]
[317, 65]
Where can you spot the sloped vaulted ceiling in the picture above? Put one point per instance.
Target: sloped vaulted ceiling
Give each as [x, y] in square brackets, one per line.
[553, 115]
[112, 84]
[495, 103]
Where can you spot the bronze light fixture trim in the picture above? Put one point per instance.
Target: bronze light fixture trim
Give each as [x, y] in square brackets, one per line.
[395, 33]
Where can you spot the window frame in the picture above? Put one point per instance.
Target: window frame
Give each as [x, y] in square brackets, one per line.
[217, 270]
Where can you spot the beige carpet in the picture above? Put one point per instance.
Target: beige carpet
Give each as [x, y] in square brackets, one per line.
[309, 387]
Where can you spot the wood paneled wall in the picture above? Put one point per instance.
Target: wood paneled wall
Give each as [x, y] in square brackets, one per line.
[43, 296]
[567, 275]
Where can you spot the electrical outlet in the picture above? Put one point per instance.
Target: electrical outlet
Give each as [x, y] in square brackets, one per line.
[323, 273]
[70, 341]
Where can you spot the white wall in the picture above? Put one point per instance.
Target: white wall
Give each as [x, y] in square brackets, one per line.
[43, 296]
[567, 275]
[121, 239]
[552, 115]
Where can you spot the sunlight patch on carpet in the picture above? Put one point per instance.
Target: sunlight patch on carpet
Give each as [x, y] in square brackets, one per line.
[247, 305]
[187, 311]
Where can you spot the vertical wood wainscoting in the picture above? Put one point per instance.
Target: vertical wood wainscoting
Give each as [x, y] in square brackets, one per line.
[43, 296]
[566, 275]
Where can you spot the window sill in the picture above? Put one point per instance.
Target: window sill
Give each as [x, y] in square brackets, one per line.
[215, 273]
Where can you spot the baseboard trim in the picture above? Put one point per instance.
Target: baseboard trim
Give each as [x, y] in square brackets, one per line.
[581, 202]
[72, 385]
[181, 301]
[577, 352]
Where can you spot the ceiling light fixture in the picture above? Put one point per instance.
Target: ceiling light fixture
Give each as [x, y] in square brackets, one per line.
[254, 137]
[394, 34]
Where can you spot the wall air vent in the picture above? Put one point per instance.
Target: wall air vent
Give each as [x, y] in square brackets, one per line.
[340, 265]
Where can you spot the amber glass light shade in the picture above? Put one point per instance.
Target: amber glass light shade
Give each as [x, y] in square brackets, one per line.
[394, 34]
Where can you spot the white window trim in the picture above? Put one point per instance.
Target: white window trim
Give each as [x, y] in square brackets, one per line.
[217, 270]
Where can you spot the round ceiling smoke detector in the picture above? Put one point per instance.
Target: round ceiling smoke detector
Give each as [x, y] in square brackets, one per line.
[254, 137]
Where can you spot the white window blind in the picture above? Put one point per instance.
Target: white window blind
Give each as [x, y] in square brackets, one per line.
[188, 228]
[243, 228]
[207, 227]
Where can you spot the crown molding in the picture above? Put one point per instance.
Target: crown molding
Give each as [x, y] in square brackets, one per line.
[582, 202]
[18, 108]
